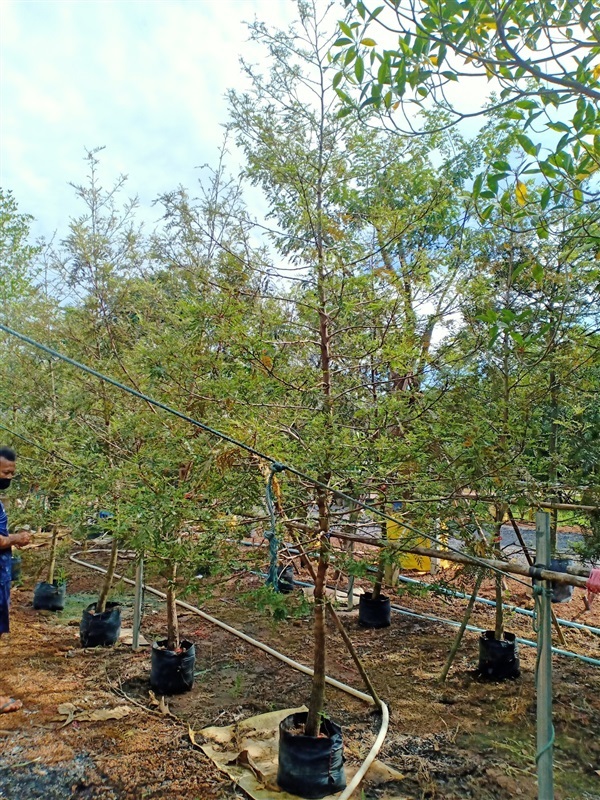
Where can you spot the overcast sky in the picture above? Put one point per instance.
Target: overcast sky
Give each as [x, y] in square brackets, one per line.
[145, 78]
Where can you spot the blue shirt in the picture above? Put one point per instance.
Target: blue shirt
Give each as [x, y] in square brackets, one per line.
[5, 553]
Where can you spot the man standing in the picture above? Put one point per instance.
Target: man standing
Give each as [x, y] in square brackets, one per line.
[7, 541]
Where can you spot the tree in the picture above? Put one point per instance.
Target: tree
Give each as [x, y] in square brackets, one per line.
[368, 232]
[542, 61]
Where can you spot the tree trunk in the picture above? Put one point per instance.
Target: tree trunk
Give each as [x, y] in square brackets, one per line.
[499, 628]
[172, 622]
[108, 578]
[553, 453]
[317, 696]
[381, 562]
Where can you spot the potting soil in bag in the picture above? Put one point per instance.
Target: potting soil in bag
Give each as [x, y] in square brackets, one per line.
[498, 659]
[308, 766]
[49, 596]
[100, 630]
[285, 576]
[15, 568]
[561, 592]
[172, 672]
[374, 613]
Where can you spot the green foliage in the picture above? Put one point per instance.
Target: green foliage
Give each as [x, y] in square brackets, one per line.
[278, 606]
[542, 61]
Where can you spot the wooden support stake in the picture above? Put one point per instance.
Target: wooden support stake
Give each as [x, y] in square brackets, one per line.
[461, 630]
[545, 730]
[137, 603]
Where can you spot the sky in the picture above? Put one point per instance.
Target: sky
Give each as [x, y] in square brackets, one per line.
[145, 79]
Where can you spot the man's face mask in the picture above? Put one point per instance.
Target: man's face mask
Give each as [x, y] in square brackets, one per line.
[5, 483]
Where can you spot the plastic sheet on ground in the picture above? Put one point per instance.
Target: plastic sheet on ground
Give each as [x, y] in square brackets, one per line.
[126, 637]
[247, 752]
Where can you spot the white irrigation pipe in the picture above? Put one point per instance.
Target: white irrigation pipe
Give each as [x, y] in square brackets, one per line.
[385, 720]
[385, 715]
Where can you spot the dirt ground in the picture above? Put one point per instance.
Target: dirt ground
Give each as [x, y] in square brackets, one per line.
[465, 739]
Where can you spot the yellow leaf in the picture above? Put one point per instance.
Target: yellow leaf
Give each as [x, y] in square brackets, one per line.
[434, 60]
[266, 360]
[368, 42]
[596, 71]
[521, 193]
[488, 24]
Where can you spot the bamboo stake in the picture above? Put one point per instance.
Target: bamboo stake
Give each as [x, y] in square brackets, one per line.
[461, 630]
[545, 730]
[137, 603]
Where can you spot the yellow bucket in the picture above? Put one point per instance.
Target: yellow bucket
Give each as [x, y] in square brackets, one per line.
[397, 532]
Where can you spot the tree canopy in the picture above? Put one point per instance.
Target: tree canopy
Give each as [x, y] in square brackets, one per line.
[541, 62]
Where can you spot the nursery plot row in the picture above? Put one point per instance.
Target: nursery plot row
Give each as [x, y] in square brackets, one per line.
[465, 739]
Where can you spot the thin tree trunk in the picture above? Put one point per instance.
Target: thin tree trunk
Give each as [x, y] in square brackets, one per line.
[381, 562]
[499, 626]
[53, 548]
[172, 622]
[553, 453]
[108, 578]
[317, 696]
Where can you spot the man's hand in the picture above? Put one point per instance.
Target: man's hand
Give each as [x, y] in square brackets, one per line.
[20, 539]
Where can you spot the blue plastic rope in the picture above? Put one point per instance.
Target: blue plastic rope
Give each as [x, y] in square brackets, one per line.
[271, 534]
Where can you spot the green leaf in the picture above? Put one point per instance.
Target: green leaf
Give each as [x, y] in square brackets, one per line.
[516, 337]
[345, 28]
[489, 315]
[376, 13]
[528, 105]
[547, 169]
[494, 331]
[545, 198]
[530, 148]
[359, 69]
[342, 41]
[538, 273]
[384, 74]
[343, 112]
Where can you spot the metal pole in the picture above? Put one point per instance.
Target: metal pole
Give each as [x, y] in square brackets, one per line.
[545, 729]
[137, 603]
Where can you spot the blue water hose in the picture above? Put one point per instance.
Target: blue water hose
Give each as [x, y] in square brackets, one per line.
[566, 623]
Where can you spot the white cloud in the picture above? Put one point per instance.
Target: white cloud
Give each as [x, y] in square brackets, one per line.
[145, 79]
